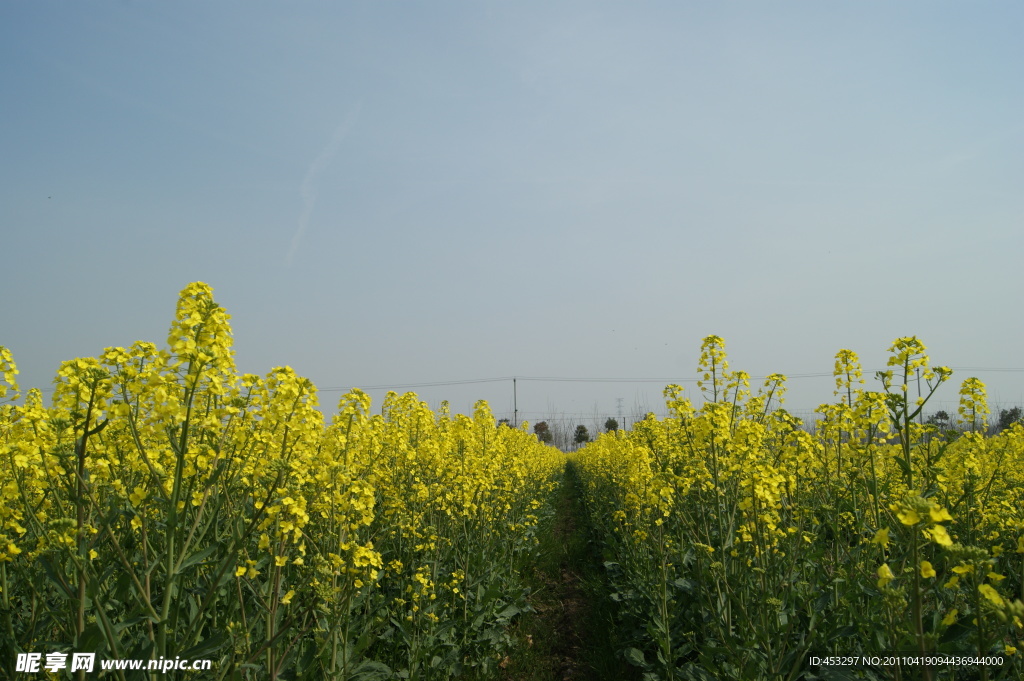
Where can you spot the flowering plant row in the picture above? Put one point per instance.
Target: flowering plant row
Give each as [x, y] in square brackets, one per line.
[165, 506]
[740, 542]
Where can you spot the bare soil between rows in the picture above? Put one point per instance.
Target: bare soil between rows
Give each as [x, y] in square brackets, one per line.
[567, 637]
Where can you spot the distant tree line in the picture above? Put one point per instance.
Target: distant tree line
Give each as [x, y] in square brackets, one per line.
[567, 436]
[1006, 418]
[573, 437]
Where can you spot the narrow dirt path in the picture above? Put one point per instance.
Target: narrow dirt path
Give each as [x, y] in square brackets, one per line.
[569, 637]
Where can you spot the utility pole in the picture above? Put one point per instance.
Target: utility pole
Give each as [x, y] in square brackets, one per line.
[515, 405]
[622, 423]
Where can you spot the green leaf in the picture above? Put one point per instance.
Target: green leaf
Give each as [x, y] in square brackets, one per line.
[124, 624]
[198, 557]
[635, 657]
[205, 648]
[843, 632]
[92, 639]
[685, 585]
[370, 670]
[509, 612]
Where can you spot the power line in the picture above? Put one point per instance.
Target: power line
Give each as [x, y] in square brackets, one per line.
[610, 379]
[993, 369]
[426, 384]
[554, 379]
[618, 379]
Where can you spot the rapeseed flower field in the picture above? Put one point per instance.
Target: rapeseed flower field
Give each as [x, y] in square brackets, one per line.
[164, 506]
[740, 544]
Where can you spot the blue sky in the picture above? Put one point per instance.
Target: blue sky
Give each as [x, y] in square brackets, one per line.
[408, 193]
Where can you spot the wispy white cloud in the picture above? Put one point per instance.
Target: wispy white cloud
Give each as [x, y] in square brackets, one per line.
[310, 186]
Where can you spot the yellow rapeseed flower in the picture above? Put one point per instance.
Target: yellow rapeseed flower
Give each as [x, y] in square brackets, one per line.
[908, 516]
[991, 594]
[927, 571]
[138, 495]
[940, 536]
[881, 537]
[885, 575]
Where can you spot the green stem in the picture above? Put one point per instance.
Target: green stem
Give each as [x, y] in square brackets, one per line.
[918, 623]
